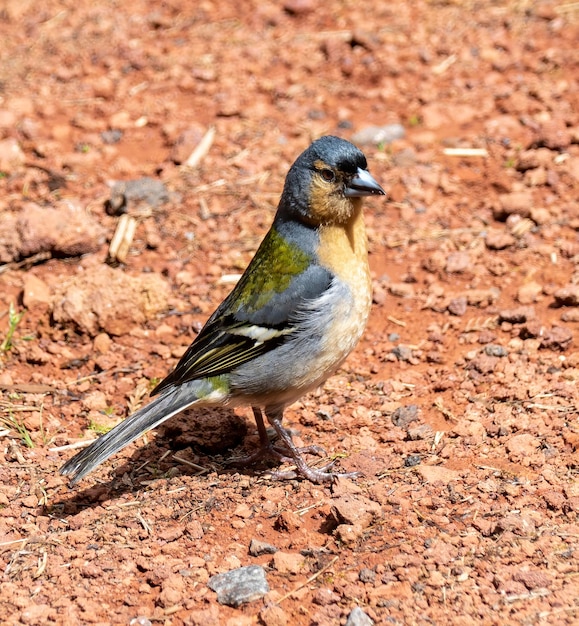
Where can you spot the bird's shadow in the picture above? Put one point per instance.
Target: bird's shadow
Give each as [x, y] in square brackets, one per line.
[201, 440]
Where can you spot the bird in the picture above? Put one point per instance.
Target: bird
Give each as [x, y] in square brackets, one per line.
[291, 320]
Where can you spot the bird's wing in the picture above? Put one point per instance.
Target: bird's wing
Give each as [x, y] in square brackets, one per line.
[257, 316]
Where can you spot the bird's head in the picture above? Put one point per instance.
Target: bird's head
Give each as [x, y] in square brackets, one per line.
[325, 183]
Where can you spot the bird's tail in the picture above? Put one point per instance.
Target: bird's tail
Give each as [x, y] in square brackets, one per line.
[163, 407]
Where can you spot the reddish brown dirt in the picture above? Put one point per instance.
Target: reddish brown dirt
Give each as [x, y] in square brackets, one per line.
[468, 507]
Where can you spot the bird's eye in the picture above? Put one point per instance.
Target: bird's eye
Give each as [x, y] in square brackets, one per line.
[328, 175]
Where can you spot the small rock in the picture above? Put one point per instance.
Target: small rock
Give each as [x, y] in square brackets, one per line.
[11, 155]
[37, 614]
[401, 290]
[140, 620]
[540, 215]
[405, 415]
[533, 579]
[557, 338]
[111, 137]
[519, 315]
[531, 159]
[325, 596]
[288, 522]
[419, 433]
[529, 292]
[523, 445]
[570, 315]
[437, 474]
[355, 509]
[402, 353]
[483, 363]
[357, 617]
[95, 401]
[239, 586]
[519, 202]
[376, 135]
[64, 229]
[536, 178]
[348, 533]
[458, 262]
[142, 191]
[299, 7]
[567, 296]
[554, 135]
[498, 239]
[35, 291]
[495, 350]
[412, 460]
[205, 617]
[172, 591]
[533, 329]
[522, 525]
[273, 615]
[366, 575]
[458, 306]
[257, 548]
[288, 562]
[102, 343]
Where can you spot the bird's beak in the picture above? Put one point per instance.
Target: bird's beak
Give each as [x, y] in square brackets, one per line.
[363, 184]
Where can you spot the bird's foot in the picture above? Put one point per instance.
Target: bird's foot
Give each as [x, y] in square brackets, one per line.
[314, 475]
[264, 453]
[271, 452]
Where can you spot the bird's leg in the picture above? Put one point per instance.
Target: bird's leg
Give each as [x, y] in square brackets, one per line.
[280, 452]
[266, 449]
[302, 468]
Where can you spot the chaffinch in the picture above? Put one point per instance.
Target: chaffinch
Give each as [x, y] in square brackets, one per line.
[294, 316]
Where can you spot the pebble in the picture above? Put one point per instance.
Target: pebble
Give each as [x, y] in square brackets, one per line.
[520, 315]
[567, 296]
[325, 596]
[498, 239]
[236, 587]
[457, 306]
[519, 202]
[402, 353]
[376, 135]
[529, 292]
[11, 155]
[257, 548]
[571, 315]
[437, 474]
[102, 343]
[522, 445]
[273, 615]
[357, 617]
[125, 193]
[412, 460]
[355, 510]
[34, 291]
[494, 350]
[141, 620]
[458, 262]
[405, 415]
[554, 135]
[556, 338]
[288, 562]
[533, 579]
